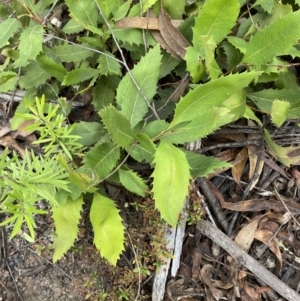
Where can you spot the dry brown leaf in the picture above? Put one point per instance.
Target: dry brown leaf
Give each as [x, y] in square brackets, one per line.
[237, 169]
[246, 235]
[267, 237]
[4, 130]
[143, 23]
[171, 35]
[253, 162]
[13, 144]
[261, 204]
[249, 293]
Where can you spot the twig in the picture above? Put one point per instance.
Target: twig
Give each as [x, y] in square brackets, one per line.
[286, 207]
[230, 144]
[214, 203]
[246, 260]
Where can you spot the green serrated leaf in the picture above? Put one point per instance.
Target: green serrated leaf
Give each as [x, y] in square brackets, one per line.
[8, 80]
[108, 228]
[209, 47]
[264, 100]
[72, 27]
[146, 74]
[71, 53]
[146, 4]
[279, 112]
[209, 95]
[174, 11]
[202, 165]
[107, 6]
[102, 158]
[215, 19]
[233, 54]
[273, 40]
[130, 36]
[50, 66]
[194, 64]
[90, 132]
[146, 142]
[108, 65]
[104, 94]
[155, 128]
[33, 76]
[85, 12]
[122, 11]
[168, 64]
[132, 182]
[171, 180]
[30, 46]
[118, 126]
[140, 153]
[199, 127]
[66, 218]
[7, 29]
[79, 75]
[238, 43]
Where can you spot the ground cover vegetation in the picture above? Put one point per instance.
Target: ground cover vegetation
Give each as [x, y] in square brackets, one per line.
[151, 76]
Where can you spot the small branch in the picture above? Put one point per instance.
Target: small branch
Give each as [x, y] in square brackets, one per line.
[246, 260]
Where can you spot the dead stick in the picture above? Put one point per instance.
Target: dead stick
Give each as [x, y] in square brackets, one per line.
[246, 260]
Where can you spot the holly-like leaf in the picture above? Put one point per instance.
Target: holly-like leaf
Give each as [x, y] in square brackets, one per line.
[122, 11]
[273, 40]
[50, 66]
[31, 40]
[130, 36]
[107, 6]
[102, 158]
[118, 126]
[146, 74]
[132, 182]
[264, 100]
[199, 127]
[8, 81]
[79, 75]
[66, 218]
[194, 64]
[209, 95]
[90, 132]
[104, 93]
[7, 29]
[203, 165]
[85, 12]
[279, 112]
[108, 228]
[71, 53]
[33, 76]
[108, 65]
[171, 180]
[215, 19]
[72, 27]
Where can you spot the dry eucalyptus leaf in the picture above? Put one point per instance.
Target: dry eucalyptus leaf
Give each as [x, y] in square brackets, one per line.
[172, 36]
[143, 23]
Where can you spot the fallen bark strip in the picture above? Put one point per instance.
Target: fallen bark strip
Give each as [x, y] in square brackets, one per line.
[246, 260]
